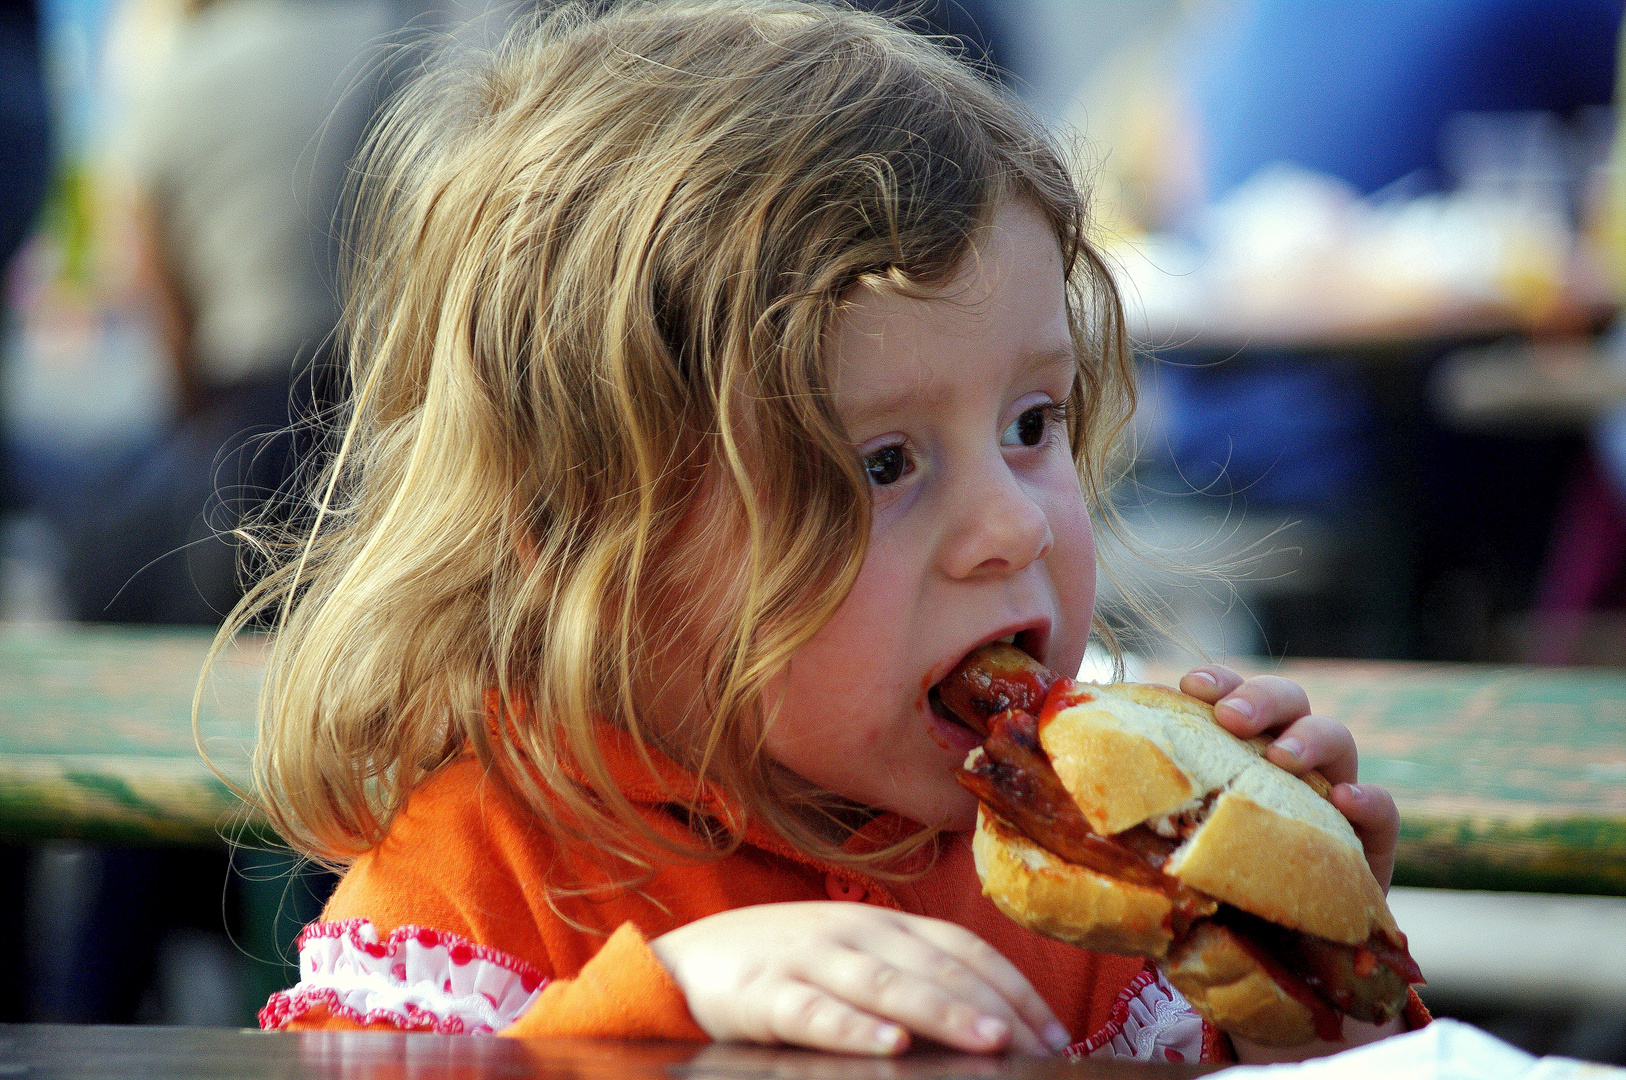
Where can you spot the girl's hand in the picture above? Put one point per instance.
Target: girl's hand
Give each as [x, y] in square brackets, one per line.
[853, 978]
[1270, 704]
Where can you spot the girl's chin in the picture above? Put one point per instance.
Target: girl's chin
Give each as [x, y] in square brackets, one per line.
[955, 809]
[963, 818]
[931, 799]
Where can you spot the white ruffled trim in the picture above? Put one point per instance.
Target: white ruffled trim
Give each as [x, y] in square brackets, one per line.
[417, 979]
[1150, 1022]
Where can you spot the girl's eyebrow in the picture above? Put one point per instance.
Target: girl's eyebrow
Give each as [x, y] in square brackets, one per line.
[1059, 356]
[1056, 359]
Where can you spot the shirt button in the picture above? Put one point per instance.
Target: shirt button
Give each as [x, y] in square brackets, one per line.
[843, 890]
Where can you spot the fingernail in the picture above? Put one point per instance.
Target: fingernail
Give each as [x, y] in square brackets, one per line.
[1204, 676]
[889, 1039]
[1240, 704]
[991, 1029]
[1354, 791]
[1056, 1037]
[1290, 745]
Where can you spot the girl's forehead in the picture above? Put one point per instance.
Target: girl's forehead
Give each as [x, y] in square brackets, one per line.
[1005, 305]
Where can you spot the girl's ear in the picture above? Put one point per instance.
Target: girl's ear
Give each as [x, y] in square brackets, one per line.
[524, 545]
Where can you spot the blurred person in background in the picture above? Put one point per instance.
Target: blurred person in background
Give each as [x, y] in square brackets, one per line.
[1585, 578]
[1448, 525]
[239, 147]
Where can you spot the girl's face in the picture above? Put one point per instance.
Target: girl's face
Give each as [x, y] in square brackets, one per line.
[980, 531]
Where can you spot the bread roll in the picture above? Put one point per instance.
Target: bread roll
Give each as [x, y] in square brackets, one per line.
[1243, 831]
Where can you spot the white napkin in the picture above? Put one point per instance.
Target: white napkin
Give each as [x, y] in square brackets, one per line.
[1445, 1050]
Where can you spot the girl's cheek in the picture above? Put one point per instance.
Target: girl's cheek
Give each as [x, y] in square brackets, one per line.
[889, 505]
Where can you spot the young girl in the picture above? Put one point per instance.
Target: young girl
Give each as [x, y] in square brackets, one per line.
[723, 372]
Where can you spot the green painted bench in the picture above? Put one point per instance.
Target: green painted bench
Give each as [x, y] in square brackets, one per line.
[1509, 778]
[96, 735]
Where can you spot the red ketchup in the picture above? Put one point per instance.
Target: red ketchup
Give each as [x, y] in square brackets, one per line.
[1064, 694]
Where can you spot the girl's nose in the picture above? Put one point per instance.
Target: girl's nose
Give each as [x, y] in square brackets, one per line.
[997, 528]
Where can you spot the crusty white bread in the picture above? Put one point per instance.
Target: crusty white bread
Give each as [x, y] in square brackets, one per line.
[1067, 902]
[1138, 752]
[1269, 845]
[1064, 901]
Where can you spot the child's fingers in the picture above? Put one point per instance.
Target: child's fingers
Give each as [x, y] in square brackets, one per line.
[1371, 810]
[1261, 703]
[777, 972]
[1316, 742]
[902, 977]
[876, 986]
[973, 971]
[802, 1014]
[1210, 683]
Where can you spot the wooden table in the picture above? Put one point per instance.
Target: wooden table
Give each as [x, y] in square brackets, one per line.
[50, 1052]
[1508, 778]
[1328, 306]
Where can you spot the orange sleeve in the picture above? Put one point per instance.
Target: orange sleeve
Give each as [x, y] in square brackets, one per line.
[622, 993]
[319, 1019]
[446, 926]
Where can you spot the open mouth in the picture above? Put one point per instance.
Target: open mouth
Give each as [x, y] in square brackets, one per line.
[948, 730]
[990, 679]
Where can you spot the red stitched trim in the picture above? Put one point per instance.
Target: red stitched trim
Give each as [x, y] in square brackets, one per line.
[284, 1008]
[459, 949]
[1119, 1017]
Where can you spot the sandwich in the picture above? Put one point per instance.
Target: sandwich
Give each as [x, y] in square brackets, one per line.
[1125, 819]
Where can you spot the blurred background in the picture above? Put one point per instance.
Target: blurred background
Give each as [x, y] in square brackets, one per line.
[1371, 252]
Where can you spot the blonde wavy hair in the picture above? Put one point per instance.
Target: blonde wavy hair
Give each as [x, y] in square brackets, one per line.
[596, 270]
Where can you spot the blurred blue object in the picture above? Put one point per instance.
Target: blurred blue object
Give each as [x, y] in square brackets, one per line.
[1610, 439]
[1287, 435]
[1363, 89]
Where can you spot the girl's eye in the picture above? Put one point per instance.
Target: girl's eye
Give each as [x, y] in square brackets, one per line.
[886, 465]
[1030, 428]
